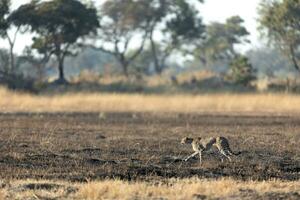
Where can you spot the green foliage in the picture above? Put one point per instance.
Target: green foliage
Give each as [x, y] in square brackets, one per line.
[279, 22]
[4, 11]
[127, 14]
[236, 32]
[241, 71]
[182, 26]
[61, 21]
[59, 24]
[220, 40]
[121, 21]
[187, 24]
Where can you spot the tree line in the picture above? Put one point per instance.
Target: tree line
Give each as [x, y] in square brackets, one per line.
[155, 30]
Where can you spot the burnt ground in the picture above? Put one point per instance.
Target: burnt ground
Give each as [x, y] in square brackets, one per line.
[144, 146]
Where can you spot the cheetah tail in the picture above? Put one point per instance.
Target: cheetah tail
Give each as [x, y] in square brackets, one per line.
[237, 153]
[234, 153]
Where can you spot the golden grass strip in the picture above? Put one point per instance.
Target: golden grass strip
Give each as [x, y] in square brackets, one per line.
[98, 102]
[171, 189]
[181, 189]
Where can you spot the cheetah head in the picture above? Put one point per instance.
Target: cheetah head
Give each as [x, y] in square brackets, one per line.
[186, 140]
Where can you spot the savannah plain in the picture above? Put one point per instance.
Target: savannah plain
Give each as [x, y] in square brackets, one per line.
[127, 146]
[100, 94]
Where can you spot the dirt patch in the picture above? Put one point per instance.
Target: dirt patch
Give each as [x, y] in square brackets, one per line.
[84, 146]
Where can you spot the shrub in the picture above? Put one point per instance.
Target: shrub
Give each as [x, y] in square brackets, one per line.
[241, 71]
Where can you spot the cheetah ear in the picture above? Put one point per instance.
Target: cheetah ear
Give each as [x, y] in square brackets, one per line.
[199, 138]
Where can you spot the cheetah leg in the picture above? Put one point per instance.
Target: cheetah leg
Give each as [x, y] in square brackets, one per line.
[193, 155]
[229, 152]
[227, 156]
[221, 156]
[200, 156]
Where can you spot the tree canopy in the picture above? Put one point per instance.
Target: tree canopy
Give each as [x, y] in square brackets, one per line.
[58, 24]
[4, 11]
[183, 26]
[121, 21]
[220, 40]
[279, 22]
[5, 27]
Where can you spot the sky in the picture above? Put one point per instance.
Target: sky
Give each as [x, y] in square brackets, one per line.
[211, 10]
[220, 10]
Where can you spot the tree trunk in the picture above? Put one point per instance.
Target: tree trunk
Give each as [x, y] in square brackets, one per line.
[61, 70]
[61, 79]
[294, 59]
[12, 58]
[125, 68]
[124, 64]
[157, 66]
[12, 41]
[203, 60]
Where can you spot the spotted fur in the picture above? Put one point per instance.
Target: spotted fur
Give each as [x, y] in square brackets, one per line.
[204, 144]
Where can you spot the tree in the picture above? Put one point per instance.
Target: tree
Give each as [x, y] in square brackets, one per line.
[279, 22]
[5, 26]
[157, 11]
[59, 24]
[145, 63]
[36, 62]
[241, 70]
[181, 26]
[220, 40]
[186, 25]
[122, 22]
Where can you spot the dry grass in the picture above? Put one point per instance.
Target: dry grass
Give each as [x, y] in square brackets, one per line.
[97, 102]
[180, 189]
[2, 194]
[157, 80]
[170, 189]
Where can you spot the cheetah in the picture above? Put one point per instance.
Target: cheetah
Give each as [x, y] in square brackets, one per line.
[204, 144]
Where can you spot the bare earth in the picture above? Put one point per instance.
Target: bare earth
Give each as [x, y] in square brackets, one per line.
[85, 147]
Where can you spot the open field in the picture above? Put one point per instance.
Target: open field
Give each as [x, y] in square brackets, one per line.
[126, 146]
[143, 148]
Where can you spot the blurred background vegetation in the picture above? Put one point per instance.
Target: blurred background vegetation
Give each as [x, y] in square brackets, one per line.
[147, 46]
